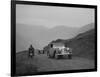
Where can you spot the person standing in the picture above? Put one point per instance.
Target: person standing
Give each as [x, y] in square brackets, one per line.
[31, 51]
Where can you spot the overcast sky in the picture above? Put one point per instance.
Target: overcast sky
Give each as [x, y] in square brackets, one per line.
[51, 16]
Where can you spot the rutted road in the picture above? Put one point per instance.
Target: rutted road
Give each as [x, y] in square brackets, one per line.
[47, 64]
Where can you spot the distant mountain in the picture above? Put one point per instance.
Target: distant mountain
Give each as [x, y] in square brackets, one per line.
[39, 36]
[20, 43]
[78, 32]
[86, 27]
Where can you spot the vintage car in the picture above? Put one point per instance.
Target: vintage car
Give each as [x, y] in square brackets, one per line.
[59, 52]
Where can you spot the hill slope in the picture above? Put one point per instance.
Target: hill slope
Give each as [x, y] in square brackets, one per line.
[86, 28]
[83, 44]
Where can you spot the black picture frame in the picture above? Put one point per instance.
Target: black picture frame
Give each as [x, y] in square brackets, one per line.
[13, 34]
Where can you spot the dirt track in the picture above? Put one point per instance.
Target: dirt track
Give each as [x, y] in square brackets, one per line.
[47, 64]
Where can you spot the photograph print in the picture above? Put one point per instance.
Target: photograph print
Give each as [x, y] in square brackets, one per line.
[51, 39]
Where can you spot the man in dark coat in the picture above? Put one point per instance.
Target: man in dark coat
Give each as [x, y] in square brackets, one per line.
[31, 51]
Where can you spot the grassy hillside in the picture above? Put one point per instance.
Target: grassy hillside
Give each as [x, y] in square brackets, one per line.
[83, 45]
